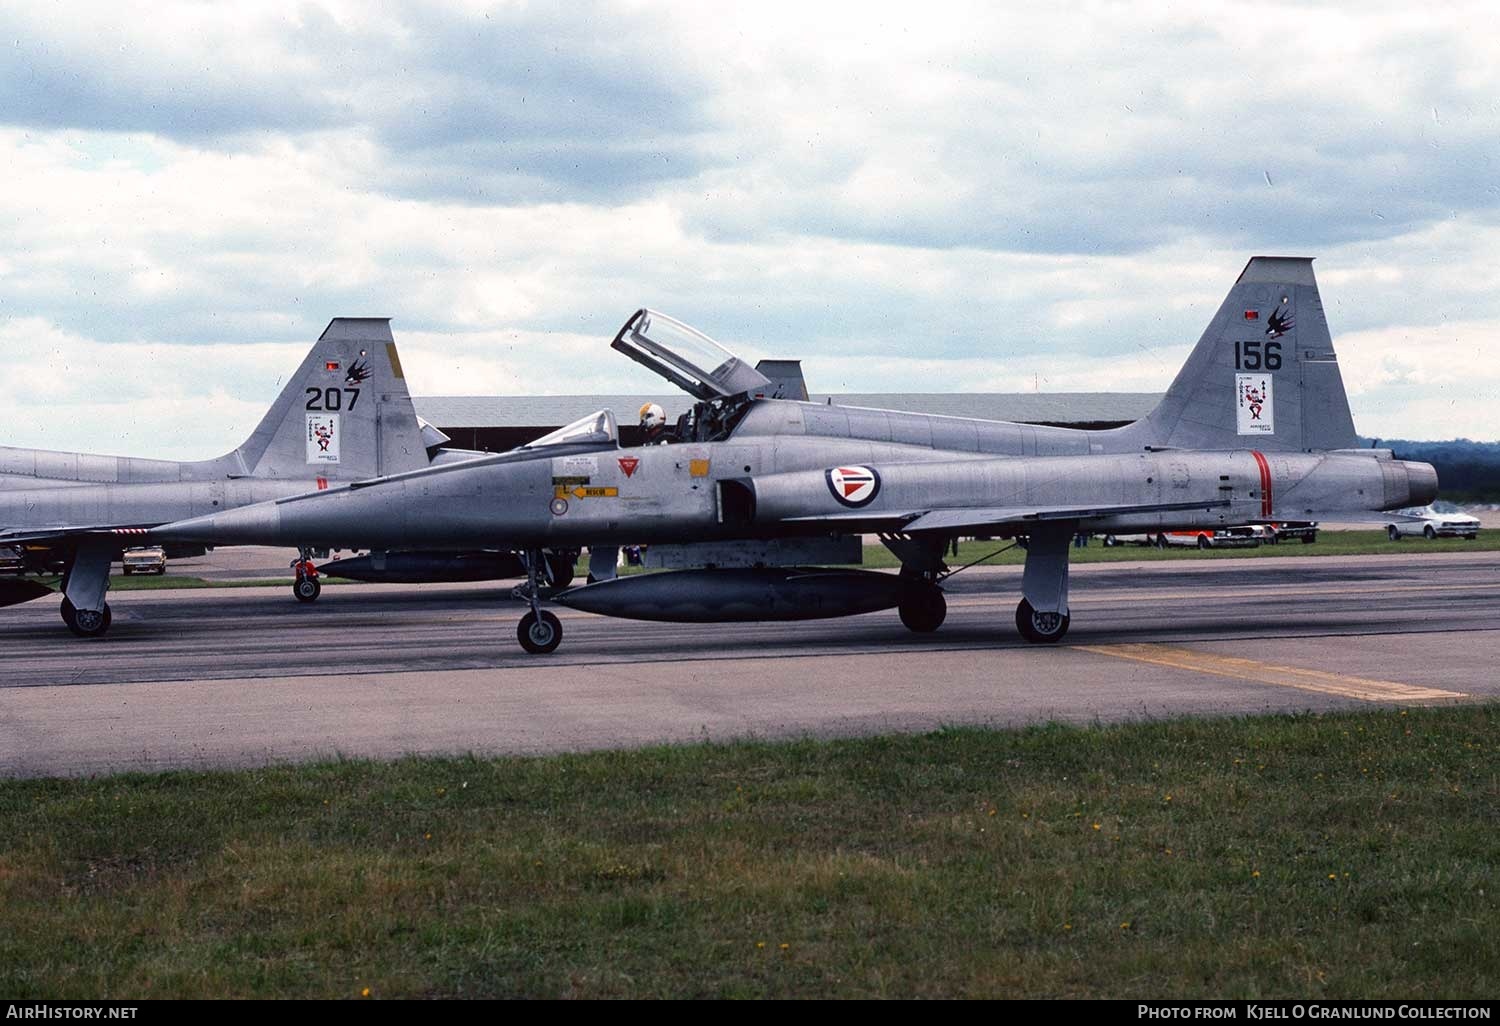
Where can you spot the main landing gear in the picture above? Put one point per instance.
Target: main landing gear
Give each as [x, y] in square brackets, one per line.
[539, 632]
[83, 607]
[307, 587]
[86, 623]
[923, 608]
[1039, 627]
[1042, 615]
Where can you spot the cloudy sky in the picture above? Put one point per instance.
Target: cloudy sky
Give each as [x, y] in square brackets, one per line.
[918, 197]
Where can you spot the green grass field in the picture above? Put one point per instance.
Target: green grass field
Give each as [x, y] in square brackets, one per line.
[1312, 856]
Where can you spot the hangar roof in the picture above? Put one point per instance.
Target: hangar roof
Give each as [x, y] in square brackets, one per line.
[1026, 407]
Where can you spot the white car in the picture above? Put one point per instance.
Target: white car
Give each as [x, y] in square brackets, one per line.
[148, 559]
[1440, 520]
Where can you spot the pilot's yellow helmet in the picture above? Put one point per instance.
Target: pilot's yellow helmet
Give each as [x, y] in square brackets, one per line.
[652, 415]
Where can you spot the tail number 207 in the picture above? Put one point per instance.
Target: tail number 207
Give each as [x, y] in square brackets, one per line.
[332, 398]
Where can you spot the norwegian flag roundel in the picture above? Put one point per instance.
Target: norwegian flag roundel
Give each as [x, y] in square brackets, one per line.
[854, 486]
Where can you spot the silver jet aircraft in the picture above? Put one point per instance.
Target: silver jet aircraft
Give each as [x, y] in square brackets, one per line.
[751, 494]
[344, 416]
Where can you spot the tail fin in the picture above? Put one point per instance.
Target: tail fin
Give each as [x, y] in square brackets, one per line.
[344, 415]
[1263, 376]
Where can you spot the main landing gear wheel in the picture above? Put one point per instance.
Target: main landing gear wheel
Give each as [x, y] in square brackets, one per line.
[923, 609]
[86, 623]
[560, 569]
[539, 632]
[307, 589]
[1039, 627]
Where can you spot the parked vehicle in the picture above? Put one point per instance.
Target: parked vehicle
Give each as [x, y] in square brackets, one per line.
[149, 559]
[11, 561]
[1280, 532]
[1223, 538]
[1440, 520]
[1228, 537]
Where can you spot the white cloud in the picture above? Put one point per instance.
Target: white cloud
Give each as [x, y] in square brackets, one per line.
[965, 198]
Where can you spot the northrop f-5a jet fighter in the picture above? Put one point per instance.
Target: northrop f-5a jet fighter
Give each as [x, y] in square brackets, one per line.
[751, 494]
[344, 416]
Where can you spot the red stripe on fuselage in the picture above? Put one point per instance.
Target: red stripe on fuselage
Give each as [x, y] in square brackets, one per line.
[1265, 483]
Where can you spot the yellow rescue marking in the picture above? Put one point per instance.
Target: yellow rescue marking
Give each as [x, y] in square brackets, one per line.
[1345, 686]
[698, 468]
[390, 349]
[595, 493]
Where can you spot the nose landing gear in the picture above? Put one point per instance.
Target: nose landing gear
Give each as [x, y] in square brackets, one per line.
[307, 587]
[539, 632]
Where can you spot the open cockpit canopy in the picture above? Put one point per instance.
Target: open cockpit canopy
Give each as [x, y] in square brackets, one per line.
[595, 429]
[686, 357]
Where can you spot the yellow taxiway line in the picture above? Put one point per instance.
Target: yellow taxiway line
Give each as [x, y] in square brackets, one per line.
[1340, 684]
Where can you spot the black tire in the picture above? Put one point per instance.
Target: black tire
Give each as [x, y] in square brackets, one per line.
[307, 589]
[1110, 541]
[1041, 628]
[1429, 533]
[1160, 542]
[87, 623]
[1308, 539]
[1391, 533]
[923, 609]
[1203, 542]
[561, 570]
[125, 571]
[539, 635]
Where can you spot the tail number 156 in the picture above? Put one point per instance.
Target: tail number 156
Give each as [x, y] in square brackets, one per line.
[1256, 355]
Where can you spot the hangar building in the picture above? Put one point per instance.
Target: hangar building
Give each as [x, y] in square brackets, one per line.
[497, 423]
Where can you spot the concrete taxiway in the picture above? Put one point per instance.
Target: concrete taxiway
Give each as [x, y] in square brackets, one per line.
[236, 677]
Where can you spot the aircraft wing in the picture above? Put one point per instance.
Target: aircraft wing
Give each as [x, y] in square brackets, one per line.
[966, 518]
[38, 535]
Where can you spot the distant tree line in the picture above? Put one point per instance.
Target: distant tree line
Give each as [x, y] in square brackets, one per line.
[1468, 471]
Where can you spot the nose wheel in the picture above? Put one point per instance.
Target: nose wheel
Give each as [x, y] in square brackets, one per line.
[307, 587]
[539, 632]
[1041, 627]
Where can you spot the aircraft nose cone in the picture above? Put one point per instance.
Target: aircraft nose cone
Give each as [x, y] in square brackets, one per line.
[1421, 481]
